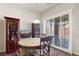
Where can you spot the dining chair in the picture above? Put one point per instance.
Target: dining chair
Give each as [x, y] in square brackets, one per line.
[22, 51]
[44, 46]
[45, 43]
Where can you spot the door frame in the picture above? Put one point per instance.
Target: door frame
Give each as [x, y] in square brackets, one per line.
[70, 28]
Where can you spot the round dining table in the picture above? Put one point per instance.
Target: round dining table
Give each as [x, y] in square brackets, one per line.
[29, 42]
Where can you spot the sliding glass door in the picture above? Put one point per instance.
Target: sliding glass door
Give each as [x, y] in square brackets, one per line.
[59, 28]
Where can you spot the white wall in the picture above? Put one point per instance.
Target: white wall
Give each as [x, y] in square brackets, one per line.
[12, 10]
[75, 29]
[2, 36]
[75, 22]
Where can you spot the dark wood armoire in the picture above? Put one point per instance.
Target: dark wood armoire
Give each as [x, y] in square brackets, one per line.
[35, 30]
[12, 34]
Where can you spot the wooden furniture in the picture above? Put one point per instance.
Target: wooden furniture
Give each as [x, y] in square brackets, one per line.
[45, 43]
[35, 30]
[29, 42]
[42, 44]
[45, 48]
[26, 45]
[12, 34]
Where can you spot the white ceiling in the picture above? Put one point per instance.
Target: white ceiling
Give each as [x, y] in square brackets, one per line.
[38, 7]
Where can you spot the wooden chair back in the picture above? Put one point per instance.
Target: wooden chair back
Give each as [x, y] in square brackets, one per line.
[45, 43]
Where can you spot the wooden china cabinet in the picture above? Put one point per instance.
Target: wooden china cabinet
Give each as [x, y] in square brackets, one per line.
[35, 30]
[12, 34]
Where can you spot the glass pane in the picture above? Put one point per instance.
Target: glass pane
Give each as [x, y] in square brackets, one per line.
[65, 17]
[56, 31]
[50, 28]
[64, 31]
[47, 27]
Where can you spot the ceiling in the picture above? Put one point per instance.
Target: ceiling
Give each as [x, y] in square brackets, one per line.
[38, 7]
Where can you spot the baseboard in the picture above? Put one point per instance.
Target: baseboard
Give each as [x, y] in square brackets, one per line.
[75, 54]
[5, 54]
[59, 48]
[2, 53]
